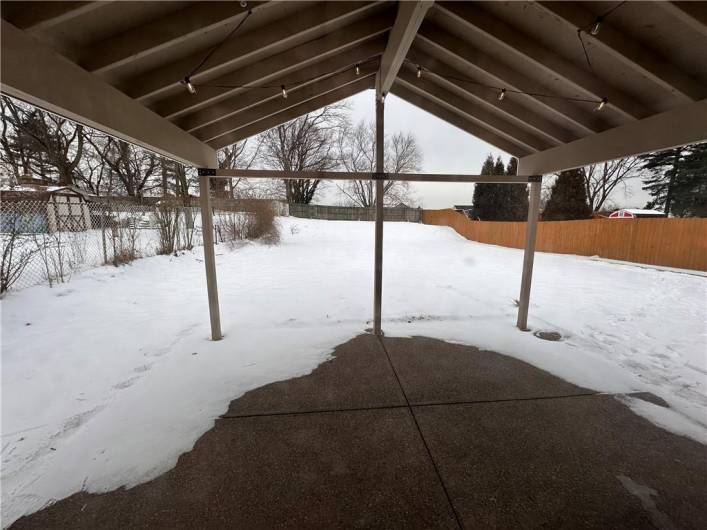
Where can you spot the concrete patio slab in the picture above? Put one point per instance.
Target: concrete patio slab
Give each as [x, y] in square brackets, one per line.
[433, 371]
[358, 376]
[297, 454]
[355, 469]
[578, 462]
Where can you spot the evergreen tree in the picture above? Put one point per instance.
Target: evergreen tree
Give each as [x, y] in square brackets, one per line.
[678, 180]
[568, 198]
[483, 193]
[516, 196]
[500, 202]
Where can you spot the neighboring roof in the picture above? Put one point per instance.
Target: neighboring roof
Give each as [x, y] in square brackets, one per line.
[640, 213]
[118, 66]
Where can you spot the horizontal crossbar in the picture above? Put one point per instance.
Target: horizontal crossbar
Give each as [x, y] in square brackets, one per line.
[360, 175]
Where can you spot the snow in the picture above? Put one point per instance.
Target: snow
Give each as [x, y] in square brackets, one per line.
[107, 379]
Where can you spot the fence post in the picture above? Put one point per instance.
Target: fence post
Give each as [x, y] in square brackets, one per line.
[378, 264]
[531, 228]
[103, 233]
[207, 232]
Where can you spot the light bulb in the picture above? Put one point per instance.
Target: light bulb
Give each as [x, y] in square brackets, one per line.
[602, 104]
[358, 69]
[419, 72]
[187, 83]
[284, 92]
[596, 27]
[502, 94]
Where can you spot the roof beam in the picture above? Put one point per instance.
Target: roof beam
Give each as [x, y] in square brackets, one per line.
[61, 86]
[475, 113]
[277, 105]
[310, 22]
[241, 101]
[457, 120]
[362, 175]
[410, 16]
[454, 49]
[693, 14]
[38, 16]
[628, 51]
[545, 59]
[684, 125]
[187, 23]
[268, 69]
[294, 112]
[508, 107]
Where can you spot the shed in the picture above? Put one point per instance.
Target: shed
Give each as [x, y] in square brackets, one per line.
[51, 209]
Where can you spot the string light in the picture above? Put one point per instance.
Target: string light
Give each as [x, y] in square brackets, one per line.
[596, 26]
[187, 83]
[502, 94]
[602, 104]
[358, 69]
[284, 92]
[419, 71]
[383, 97]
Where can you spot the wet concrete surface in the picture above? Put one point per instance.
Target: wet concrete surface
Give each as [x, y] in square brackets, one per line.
[446, 436]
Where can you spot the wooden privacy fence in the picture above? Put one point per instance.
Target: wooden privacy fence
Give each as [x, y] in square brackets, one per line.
[669, 242]
[354, 213]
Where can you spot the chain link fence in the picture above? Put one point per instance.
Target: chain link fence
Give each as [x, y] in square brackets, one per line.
[49, 241]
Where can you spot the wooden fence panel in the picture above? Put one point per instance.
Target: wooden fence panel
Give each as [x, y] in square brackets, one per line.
[678, 243]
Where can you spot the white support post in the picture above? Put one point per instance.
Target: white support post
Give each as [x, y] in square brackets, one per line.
[531, 229]
[378, 265]
[207, 229]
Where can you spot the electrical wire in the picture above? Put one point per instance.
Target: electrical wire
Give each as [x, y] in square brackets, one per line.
[596, 23]
[501, 90]
[218, 45]
[294, 84]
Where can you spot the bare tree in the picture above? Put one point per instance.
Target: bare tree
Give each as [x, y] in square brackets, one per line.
[135, 168]
[307, 143]
[14, 155]
[42, 144]
[602, 179]
[357, 152]
[93, 174]
[241, 155]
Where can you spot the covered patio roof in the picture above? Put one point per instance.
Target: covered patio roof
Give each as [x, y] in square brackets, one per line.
[120, 67]
[558, 85]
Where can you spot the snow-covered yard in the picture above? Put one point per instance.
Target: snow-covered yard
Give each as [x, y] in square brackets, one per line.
[106, 380]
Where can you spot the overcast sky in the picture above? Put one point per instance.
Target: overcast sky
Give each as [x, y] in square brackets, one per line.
[445, 149]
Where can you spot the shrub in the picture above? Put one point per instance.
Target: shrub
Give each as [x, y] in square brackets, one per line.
[250, 219]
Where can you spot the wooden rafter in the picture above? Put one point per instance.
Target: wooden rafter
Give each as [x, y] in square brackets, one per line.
[680, 126]
[457, 120]
[276, 105]
[39, 16]
[452, 49]
[311, 22]
[473, 112]
[261, 72]
[628, 51]
[293, 112]
[509, 108]
[188, 23]
[61, 86]
[513, 41]
[247, 98]
[410, 16]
